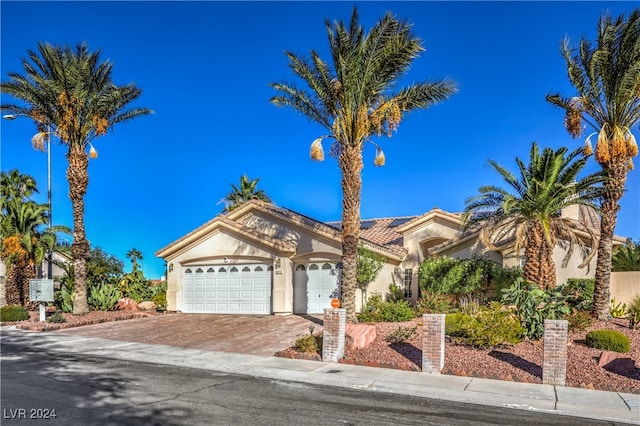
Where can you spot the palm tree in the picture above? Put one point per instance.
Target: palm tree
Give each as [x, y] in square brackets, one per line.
[134, 255]
[607, 80]
[24, 245]
[15, 185]
[626, 257]
[530, 210]
[355, 100]
[245, 192]
[70, 93]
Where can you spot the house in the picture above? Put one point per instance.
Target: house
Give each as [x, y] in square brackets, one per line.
[265, 259]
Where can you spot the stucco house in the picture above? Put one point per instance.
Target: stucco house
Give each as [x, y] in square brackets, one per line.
[265, 259]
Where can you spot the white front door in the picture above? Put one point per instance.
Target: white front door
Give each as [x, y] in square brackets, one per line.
[227, 289]
[315, 284]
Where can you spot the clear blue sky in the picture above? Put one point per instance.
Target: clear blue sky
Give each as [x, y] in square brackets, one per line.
[204, 68]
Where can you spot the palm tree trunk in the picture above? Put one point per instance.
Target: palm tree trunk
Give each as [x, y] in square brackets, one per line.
[13, 285]
[78, 178]
[350, 162]
[614, 188]
[548, 266]
[539, 266]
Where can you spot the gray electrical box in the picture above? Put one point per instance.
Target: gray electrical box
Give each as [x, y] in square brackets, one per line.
[41, 290]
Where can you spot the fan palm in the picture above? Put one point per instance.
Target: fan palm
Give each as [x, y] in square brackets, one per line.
[245, 192]
[71, 93]
[530, 210]
[626, 257]
[15, 185]
[355, 100]
[606, 77]
[24, 245]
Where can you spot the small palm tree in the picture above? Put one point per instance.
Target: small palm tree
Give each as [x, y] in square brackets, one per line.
[70, 93]
[626, 257]
[355, 100]
[245, 192]
[606, 77]
[134, 255]
[16, 186]
[530, 210]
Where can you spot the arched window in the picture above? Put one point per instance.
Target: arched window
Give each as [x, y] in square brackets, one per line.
[326, 266]
[211, 270]
[222, 269]
[258, 269]
[300, 267]
[313, 267]
[199, 271]
[246, 269]
[188, 271]
[233, 269]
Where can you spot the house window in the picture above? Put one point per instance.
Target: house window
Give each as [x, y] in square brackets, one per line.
[199, 271]
[408, 277]
[210, 270]
[258, 269]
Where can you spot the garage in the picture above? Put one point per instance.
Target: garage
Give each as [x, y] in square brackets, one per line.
[314, 285]
[227, 289]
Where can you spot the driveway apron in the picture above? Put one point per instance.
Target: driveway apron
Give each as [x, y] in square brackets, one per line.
[247, 334]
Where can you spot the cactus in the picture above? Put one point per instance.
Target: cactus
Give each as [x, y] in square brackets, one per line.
[103, 297]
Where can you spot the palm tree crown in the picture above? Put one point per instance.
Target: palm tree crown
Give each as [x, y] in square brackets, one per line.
[530, 210]
[606, 76]
[70, 93]
[354, 100]
[245, 192]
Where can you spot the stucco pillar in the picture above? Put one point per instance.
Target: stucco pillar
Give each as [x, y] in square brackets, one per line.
[282, 292]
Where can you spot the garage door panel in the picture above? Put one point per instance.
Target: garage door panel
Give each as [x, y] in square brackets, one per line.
[242, 289]
[315, 284]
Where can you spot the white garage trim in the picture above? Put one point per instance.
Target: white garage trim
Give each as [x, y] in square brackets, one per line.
[314, 285]
[227, 289]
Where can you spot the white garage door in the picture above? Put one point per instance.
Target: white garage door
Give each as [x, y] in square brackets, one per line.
[235, 289]
[314, 285]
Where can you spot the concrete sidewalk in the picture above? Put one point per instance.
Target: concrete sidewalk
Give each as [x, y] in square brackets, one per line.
[612, 406]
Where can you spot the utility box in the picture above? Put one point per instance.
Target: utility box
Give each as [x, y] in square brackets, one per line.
[41, 290]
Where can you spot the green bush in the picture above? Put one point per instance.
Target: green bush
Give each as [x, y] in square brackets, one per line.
[377, 310]
[489, 327]
[435, 303]
[12, 313]
[57, 317]
[160, 300]
[402, 334]
[534, 305]
[505, 277]
[579, 293]
[310, 343]
[578, 320]
[608, 340]
[135, 286]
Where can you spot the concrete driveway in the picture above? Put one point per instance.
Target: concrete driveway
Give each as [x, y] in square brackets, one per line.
[247, 334]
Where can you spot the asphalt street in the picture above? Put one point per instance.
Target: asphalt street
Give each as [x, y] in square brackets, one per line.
[46, 387]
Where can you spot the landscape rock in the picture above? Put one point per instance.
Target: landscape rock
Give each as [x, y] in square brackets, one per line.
[127, 304]
[359, 336]
[616, 362]
[147, 306]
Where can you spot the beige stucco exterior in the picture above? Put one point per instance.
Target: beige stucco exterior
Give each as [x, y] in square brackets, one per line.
[625, 286]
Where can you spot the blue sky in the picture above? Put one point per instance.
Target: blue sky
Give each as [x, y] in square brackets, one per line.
[204, 68]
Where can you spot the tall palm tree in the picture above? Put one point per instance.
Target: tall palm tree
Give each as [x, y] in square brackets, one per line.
[15, 185]
[24, 245]
[355, 100]
[530, 210]
[606, 77]
[245, 192]
[70, 93]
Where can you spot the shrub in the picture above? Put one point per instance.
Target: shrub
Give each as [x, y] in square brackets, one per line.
[534, 305]
[135, 286]
[402, 334]
[579, 293]
[633, 313]
[608, 340]
[57, 317]
[12, 313]
[435, 303]
[395, 293]
[505, 277]
[103, 297]
[160, 300]
[390, 311]
[578, 320]
[617, 310]
[489, 327]
[310, 343]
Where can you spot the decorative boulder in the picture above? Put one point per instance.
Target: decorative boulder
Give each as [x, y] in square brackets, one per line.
[359, 335]
[147, 306]
[126, 304]
[616, 363]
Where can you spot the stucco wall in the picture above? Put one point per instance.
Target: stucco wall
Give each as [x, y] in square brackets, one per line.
[625, 286]
[430, 230]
